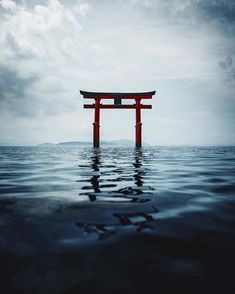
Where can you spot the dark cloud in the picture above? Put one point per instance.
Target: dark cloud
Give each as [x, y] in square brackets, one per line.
[217, 13]
[220, 10]
[232, 74]
[12, 90]
[221, 13]
[227, 66]
[195, 12]
[11, 85]
[226, 63]
[14, 96]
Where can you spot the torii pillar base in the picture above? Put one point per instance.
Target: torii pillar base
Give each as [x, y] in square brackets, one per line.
[138, 141]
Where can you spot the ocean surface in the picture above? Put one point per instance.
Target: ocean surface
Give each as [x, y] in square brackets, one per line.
[117, 220]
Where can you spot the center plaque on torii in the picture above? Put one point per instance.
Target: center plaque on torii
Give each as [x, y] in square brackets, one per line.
[117, 98]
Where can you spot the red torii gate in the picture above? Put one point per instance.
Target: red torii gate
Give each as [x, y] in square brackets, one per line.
[97, 96]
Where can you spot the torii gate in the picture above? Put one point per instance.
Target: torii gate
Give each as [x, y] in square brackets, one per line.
[97, 96]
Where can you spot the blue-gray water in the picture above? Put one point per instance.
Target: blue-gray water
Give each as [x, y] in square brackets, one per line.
[117, 220]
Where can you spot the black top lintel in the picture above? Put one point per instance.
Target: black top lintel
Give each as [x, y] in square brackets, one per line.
[87, 94]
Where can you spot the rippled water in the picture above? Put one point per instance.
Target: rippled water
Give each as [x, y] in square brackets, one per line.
[117, 220]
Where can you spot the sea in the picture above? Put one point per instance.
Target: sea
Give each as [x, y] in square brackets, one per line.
[77, 219]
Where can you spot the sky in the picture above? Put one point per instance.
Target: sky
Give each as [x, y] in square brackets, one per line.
[183, 49]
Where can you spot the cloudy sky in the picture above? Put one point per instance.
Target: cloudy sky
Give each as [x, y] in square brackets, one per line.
[183, 49]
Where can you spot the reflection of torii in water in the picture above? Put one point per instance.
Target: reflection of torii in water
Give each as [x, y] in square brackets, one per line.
[137, 220]
[137, 176]
[138, 164]
[95, 178]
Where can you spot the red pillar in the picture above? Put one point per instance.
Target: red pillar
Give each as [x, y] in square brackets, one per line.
[138, 123]
[96, 124]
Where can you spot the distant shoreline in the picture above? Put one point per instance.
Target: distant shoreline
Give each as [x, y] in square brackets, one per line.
[122, 142]
[119, 142]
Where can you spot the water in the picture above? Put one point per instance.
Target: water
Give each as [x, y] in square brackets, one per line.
[117, 220]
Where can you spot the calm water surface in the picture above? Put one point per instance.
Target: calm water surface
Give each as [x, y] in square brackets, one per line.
[117, 220]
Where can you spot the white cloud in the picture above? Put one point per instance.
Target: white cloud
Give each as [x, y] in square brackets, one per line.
[8, 4]
[82, 8]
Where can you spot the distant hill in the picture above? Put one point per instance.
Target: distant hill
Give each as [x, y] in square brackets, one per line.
[47, 144]
[121, 142]
[75, 143]
[66, 143]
